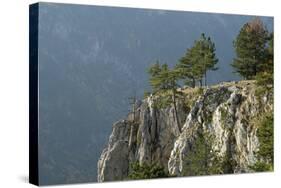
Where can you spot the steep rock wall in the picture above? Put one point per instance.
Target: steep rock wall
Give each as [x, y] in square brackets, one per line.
[224, 111]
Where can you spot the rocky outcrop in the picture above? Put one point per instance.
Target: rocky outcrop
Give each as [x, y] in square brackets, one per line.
[224, 111]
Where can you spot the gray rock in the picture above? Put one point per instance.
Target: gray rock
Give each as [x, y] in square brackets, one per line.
[223, 111]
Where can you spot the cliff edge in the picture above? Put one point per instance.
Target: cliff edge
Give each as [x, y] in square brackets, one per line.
[223, 115]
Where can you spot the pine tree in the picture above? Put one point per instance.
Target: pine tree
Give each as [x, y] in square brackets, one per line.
[202, 159]
[187, 68]
[154, 69]
[146, 171]
[164, 83]
[265, 133]
[265, 76]
[209, 59]
[250, 46]
[198, 60]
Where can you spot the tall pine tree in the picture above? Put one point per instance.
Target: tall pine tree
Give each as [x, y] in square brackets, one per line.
[163, 82]
[250, 46]
[208, 56]
[198, 60]
[265, 77]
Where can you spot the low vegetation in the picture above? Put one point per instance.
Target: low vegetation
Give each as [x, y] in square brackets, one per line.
[265, 154]
[203, 159]
[146, 171]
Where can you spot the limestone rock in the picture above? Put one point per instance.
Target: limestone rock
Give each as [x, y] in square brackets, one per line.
[152, 136]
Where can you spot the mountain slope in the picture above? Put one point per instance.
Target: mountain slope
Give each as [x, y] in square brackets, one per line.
[92, 58]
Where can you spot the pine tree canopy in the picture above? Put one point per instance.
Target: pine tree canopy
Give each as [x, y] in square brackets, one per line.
[162, 78]
[199, 59]
[251, 46]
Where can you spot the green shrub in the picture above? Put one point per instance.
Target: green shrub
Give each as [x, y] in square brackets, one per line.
[202, 159]
[146, 94]
[146, 171]
[260, 166]
[265, 154]
[264, 83]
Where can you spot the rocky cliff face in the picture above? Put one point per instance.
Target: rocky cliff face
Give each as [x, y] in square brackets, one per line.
[224, 111]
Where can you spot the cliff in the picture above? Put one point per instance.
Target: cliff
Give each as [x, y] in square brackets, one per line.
[223, 114]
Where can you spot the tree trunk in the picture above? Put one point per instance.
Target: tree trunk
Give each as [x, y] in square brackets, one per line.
[205, 78]
[193, 83]
[255, 66]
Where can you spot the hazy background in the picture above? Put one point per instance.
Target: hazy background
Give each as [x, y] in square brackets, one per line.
[91, 59]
